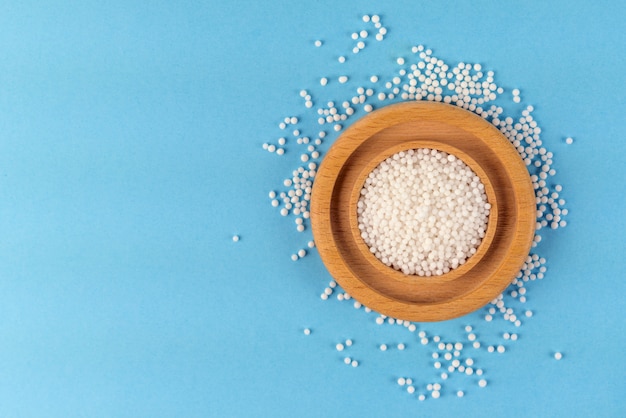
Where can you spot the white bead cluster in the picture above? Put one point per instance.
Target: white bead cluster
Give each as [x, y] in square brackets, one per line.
[421, 75]
[423, 212]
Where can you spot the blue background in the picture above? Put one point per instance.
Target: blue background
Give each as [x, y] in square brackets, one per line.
[130, 153]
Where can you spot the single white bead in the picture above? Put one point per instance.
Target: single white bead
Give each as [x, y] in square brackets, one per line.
[558, 356]
[482, 383]
[318, 43]
[307, 331]
[460, 394]
[339, 347]
[355, 363]
[235, 238]
[383, 347]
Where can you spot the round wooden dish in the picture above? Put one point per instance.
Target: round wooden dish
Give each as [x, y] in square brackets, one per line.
[411, 125]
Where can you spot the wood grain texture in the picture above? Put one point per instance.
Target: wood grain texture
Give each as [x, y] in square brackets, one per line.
[411, 125]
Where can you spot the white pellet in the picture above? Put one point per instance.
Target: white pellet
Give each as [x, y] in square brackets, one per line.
[391, 189]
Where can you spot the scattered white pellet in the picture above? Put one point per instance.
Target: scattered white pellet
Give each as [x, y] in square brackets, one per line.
[341, 59]
[347, 360]
[401, 346]
[460, 393]
[318, 43]
[421, 397]
[301, 253]
[410, 389]
[501, 349]
[235, 238]
[343, 79]
[435, 394]
[400, 61]
[323, 81]
[363, 34]
[482, 383]
[558, 355]
[383, 347]
[307, 331]
[339, 347]
[569, 140]
[348, 342]
[355, 363]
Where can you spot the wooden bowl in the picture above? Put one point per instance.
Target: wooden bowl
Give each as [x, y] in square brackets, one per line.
[412, 125]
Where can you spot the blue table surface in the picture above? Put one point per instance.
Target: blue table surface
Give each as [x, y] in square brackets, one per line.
[130, 153]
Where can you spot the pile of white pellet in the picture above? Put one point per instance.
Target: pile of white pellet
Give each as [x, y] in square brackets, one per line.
[423, 212]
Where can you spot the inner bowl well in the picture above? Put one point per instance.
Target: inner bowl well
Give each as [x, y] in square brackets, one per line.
[392, 146]
[411, 125]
